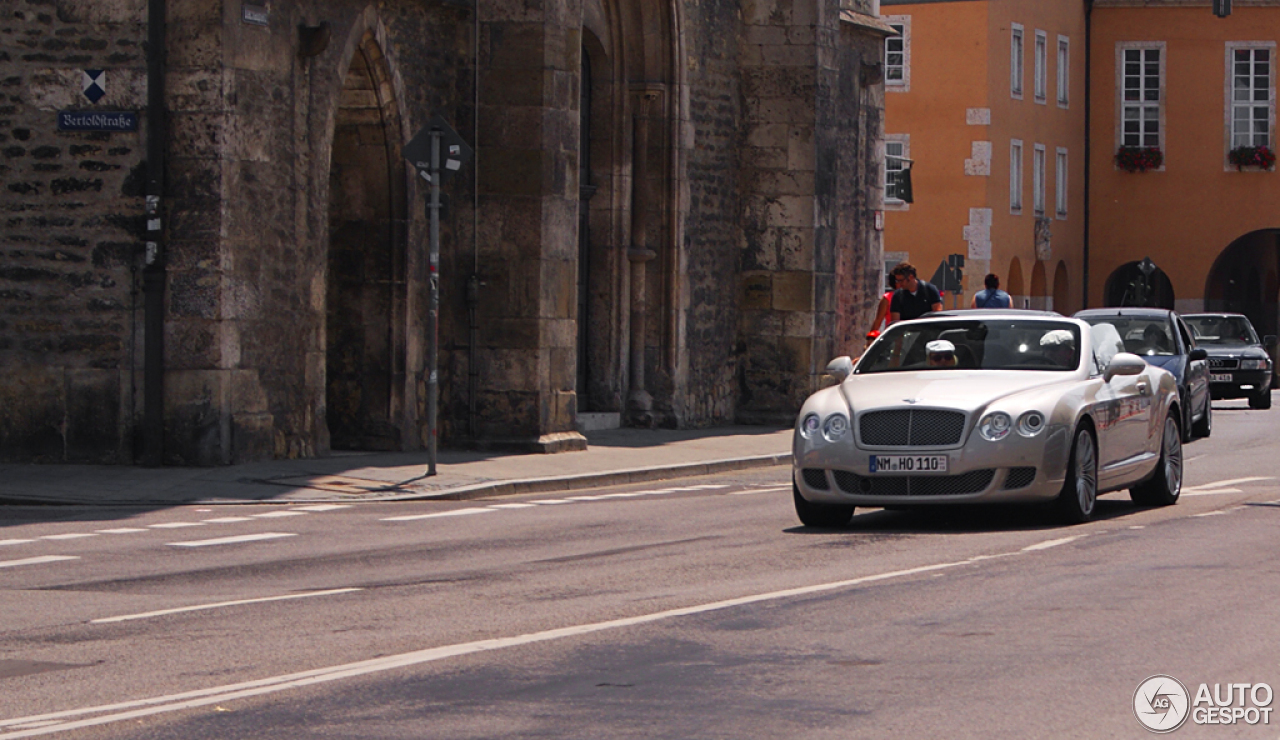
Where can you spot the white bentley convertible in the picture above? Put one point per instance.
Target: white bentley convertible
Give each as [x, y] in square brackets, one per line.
[988, 406]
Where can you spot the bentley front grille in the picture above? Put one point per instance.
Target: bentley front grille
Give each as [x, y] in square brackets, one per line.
[815, 478]
[1019, 478]
[911, 428]
[915, 485]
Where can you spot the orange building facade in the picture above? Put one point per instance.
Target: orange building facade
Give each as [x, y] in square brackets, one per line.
[1197, 87]
[988, 102]
[1000, 173]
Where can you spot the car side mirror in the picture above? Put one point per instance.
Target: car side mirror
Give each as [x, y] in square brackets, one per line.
[840, 368]
[1269, 341]
[1124, 363]
[1199, 353]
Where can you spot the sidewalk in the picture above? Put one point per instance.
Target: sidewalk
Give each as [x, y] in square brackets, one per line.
[612, 457]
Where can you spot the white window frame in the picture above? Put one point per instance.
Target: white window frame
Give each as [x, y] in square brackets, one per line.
[1232, 104]
[901, 82]
[1041, 70]
[1122, 105]
[1017, 60]
[1037, 179]
[1061, 194]
[1064, 72]
[901, 142]
[1015, 176]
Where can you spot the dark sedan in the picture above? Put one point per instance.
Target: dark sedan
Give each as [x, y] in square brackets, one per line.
[1239, 364]
[1161, 338]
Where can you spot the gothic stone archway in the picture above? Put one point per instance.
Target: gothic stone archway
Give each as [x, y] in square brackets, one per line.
[365, 283]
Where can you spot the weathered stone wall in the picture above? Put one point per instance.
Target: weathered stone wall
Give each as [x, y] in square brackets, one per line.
[70, 234]
[296, 235]
[712, 221]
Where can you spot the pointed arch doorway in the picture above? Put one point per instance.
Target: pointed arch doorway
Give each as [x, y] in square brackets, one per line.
[365, 325]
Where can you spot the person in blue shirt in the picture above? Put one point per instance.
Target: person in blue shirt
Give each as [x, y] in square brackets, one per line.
[992, 297]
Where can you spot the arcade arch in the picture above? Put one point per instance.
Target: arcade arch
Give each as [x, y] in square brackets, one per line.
[1245, 278]
[1124, 288]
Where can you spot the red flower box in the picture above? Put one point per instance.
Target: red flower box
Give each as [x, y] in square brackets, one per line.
[1139, 158]
[1252, 156]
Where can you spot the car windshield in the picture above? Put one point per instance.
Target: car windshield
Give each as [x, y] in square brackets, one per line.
[1225, 330]
[1141, 335]
[985, 344]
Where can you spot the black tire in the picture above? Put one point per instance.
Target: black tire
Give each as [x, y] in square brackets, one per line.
[1204, 427]
[826, 516]
[1079, 497]
[1261, 401]
[1164, 487]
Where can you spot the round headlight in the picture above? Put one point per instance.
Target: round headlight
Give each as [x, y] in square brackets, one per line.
[809, 426]
[835, 427]
[995, 426]
[1031, 423]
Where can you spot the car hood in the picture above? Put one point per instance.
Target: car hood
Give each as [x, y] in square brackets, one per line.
[1252, 351]
[954, 389]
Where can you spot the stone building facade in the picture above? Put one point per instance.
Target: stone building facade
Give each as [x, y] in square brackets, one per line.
[670, 215]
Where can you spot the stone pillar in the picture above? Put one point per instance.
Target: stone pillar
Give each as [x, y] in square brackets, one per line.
[639, 400]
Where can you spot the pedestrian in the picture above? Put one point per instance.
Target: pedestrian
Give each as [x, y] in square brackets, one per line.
[881, 321]
[914, 298]
[992, 297]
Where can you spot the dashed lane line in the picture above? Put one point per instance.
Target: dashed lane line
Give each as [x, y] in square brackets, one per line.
[14, 542]
[69, 536]
[438, 514]
[233, 540]
[36, 561]
[120, 530]
[220, 604]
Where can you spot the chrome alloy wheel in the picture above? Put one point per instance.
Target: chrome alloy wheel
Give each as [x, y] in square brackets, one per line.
[1172, 458]
[1086, 465]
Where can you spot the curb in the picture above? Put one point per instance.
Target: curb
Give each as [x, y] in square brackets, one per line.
[593, 480]
[461, 493]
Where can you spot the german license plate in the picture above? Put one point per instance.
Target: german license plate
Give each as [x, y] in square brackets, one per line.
[1219, 377]
[908, 463]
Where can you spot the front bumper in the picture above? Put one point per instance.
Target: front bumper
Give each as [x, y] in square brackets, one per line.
[1017, 470]
[1243, 383]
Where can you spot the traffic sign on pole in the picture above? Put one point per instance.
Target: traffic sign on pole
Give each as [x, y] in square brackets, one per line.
[437, 152]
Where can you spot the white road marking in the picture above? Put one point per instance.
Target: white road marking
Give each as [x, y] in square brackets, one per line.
[15, 542]
[1210, 513]
[323, 507]
[1138, 526]
[175, 525]
[1214, 492]
[455, 512]
[36, 561]
[120, 530]
[551, 502]
[278, 514]
[513, 506]
[122, 711]
[1229, 482]
[585, 498]
[200, 607]
[233, 540]
[759, 490]
[68, 536]
[228, 519]
[1051, 543]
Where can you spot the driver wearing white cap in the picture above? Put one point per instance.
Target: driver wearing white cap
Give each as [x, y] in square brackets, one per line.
[940, 353]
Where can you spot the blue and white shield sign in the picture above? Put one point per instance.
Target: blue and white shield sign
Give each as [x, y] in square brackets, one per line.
[95, 84]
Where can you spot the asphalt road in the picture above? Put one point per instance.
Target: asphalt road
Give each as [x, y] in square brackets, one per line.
[697, 608]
